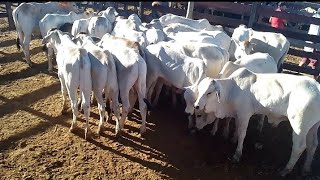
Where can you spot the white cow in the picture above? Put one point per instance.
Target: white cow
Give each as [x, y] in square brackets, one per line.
[104, 76]
[213, 56]
[110, 13]
[131, 72]
[257, 62]
[218, 38]
[131, 29]
[99, 26]
[26, 18]
[275, 44]
[178, 27]
[74, 70]
[50, 21]
[202, 24]
[284, 97]
[173, 68]
[154, 36]
[80, 25]
[121, 42]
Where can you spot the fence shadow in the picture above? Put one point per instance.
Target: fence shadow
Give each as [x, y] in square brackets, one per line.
[7, 43]
[18, 55]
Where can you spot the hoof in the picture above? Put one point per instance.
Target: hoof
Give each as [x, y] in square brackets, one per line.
[64, 111]
[306, 172]
[284, 172]
[236, 158]
[109, 119]
[118, 134]
[192, 131]
[234, 140]
[213, 133]
[100, 129]
[143, 130]
[225, 135]
[258, 146]
[87, 134]
[72, 129]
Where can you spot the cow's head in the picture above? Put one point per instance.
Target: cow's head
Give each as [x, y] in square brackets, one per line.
[110, 13]
[242, 33]
[135, 18]
[207, 88]
[68, 6]
[190, 97]
[52, 38]
[203, 119]
[239, 49]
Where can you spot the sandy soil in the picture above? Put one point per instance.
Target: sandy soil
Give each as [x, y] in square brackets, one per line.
[34, 143]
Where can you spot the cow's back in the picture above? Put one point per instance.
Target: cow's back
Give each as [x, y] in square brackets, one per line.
[274, 44]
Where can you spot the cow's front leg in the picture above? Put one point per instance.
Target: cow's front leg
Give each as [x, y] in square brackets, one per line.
[243, 122]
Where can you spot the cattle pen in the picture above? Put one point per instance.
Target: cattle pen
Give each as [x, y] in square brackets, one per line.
[34, 138]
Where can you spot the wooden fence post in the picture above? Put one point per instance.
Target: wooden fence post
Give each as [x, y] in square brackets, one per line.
[141, 10]
[253, 14]
[190, 10]
[9, 13]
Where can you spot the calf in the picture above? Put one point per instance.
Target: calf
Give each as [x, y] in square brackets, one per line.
[99, 26]
[50, 21]
[26, 18]
[104, 76]
[202, 24]
[131, 72]
[275, 44]
[74, 70]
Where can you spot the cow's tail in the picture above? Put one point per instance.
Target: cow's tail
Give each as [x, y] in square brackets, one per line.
[85, 75]
[141, 51]
[149, 105]
[18, 42]
[142, 75]
[19, 30]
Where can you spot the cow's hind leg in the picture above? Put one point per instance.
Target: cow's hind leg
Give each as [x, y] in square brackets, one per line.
[158, 87]
[312, 143]
[298, 146]
[86, 111]
[64, 95]
[215, 127]
[74, 106]
[26, 48]
[101, 107]
[226, 128]
[258, 144]
[124, 94]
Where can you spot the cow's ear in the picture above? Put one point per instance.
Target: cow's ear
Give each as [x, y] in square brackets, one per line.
[246, 44]
[218, 95]
[251, 46]
[216, 89]
[52, 35]
[46, 39]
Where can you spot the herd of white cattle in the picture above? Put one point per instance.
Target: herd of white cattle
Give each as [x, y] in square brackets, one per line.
[219, 76]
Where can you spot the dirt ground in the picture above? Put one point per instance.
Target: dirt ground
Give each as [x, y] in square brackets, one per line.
[35, 143]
